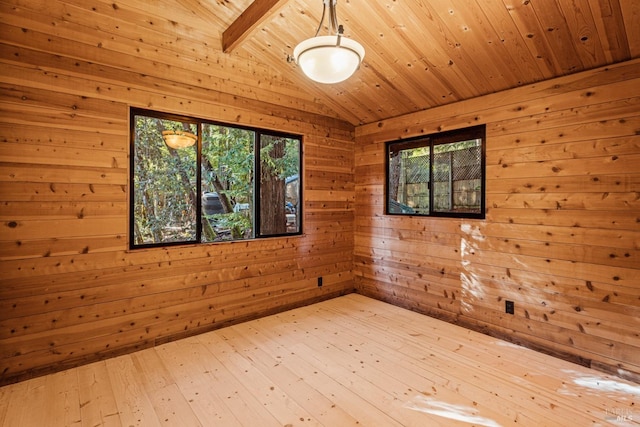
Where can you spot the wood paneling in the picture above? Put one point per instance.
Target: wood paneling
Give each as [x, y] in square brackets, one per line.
[561, 238]
[425, 54]
[419, 55]
[70, 290]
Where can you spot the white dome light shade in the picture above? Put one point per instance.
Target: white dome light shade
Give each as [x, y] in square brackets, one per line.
[329, 59]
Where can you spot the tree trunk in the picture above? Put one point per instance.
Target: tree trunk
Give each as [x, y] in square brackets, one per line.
[273, 218]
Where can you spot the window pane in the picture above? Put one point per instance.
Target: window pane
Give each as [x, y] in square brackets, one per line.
[164, 178]
[408, 187]
[227, 183]
[279, 185]
[457, 177]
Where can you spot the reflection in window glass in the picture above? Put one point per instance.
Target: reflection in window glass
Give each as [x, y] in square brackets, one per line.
[164, 188]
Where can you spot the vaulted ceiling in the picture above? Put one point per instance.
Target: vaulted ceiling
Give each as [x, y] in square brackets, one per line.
[419, 53]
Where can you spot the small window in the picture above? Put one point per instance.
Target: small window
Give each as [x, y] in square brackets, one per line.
[437, 175]
[195, 181]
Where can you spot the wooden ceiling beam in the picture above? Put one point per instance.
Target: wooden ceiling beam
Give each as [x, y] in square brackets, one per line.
[258, 12]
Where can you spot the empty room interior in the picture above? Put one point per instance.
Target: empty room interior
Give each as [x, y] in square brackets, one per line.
[320, 213]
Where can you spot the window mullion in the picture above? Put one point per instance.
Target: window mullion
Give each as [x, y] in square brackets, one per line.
[199, 215]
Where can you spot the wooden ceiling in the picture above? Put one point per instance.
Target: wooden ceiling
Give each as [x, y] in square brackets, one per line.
[419, 53]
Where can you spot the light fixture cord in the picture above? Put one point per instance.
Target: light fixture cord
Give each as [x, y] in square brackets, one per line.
[333, 16]
[324, 11]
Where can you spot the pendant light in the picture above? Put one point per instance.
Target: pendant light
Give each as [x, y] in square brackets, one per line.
[332, 58]
[178, 139]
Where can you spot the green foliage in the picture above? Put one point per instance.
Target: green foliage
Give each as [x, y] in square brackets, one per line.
[227, 169]
[456, 146]
[229, 159]
[164, 182]
[284, 166]
[229, 226]
[416, 152]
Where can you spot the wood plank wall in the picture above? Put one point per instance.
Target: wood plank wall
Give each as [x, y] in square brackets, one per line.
[562, 233]
[70, 290]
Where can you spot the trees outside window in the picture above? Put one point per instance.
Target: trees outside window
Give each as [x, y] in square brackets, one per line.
[438, 175]
[222, 183]
[164, 184]
[279, 175]
[227, 169]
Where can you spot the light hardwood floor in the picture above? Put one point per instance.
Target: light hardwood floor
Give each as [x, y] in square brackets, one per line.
[344, 362]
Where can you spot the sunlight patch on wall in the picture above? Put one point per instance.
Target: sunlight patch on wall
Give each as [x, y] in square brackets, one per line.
[487, 284]
[472, 289]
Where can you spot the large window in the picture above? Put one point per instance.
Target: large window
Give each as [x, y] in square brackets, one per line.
[439, 175]
[195, 181]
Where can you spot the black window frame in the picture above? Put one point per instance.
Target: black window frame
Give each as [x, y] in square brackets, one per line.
[431, 141]
[258, 132]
